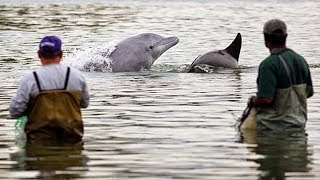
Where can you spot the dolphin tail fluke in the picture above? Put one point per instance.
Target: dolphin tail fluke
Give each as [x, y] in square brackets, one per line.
[234, 48]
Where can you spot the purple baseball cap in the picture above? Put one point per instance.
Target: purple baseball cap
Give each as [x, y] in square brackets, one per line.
[50, 44]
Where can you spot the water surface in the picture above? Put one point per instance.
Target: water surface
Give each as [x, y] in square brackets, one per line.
[161, 123]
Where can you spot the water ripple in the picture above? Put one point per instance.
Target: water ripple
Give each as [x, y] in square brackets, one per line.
[163, 123]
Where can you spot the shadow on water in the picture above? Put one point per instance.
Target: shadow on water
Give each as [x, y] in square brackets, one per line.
[281, 155]
[57, 161]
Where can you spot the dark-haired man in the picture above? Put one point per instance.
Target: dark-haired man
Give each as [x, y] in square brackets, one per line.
[283, 83]
[51, 97]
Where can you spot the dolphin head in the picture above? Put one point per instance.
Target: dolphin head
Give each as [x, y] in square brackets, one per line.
[156, 45]
[140, 52]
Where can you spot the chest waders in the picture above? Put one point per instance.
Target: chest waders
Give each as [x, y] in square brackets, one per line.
[55, 114]
[289, 109]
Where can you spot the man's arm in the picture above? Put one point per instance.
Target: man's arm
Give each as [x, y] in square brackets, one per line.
[309, 86]
[309, 91]
[19, 103]
[260, 102]
[266, 85]
[85, 97]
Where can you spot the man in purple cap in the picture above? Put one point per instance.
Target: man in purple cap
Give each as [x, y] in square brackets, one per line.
[284, 84]
[51, 97]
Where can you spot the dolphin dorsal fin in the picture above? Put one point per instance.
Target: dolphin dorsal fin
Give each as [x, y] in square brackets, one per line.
[234, 48]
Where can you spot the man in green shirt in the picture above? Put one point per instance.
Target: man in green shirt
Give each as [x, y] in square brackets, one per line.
[284, 83]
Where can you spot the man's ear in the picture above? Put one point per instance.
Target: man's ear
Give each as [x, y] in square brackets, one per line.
[266, 43]
[39, 55]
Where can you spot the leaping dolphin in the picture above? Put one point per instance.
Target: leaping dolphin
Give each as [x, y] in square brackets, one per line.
[140, 52]
[227, 58]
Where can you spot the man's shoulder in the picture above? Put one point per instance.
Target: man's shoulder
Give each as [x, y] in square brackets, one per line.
[76, 72]
[288, 53]
[269, 61]
[28, 76]
[74, 69]
[61, 68]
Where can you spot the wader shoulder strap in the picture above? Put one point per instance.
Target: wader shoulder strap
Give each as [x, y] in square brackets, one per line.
[287, 71]
[67, 79]
[37, 80]
[65, 83]
[301, 70]
[286, 68]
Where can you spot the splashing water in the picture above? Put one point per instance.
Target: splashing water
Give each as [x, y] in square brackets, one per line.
[93, 58]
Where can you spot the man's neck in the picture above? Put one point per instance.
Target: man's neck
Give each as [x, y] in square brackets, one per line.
[50, 61]
[272, 48]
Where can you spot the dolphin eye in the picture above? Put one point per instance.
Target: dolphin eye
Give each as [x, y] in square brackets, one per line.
[151, 47]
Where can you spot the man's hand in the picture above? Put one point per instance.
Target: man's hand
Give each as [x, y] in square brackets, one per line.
[251, 101]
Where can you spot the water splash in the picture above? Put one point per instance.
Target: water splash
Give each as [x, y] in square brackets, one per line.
[172, 68]
[92, 58]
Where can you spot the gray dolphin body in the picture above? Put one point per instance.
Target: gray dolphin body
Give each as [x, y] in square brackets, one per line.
[139, 52]
[227, 58]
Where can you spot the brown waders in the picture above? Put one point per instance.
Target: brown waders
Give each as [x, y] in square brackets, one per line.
[55, 114]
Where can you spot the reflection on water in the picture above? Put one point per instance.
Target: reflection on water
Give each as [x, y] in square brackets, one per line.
[65, 161]
[283, 155]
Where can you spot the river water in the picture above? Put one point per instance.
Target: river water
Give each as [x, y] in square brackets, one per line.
[160, 123]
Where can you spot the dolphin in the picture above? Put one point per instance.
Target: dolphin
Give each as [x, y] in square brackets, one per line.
[139, 52]
[227, 58]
